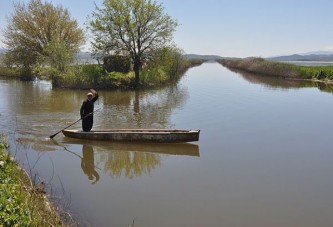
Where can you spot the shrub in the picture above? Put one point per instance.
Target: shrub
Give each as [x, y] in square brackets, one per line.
[10, 71]
[45, 72]
[153, 76]
[117, 63]
[78, 76]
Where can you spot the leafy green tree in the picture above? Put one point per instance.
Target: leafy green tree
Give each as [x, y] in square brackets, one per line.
[170, 58]
[42, 33]
[131, 27]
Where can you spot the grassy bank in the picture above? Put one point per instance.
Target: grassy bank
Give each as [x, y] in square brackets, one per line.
[22, 204]
[270, 68]
[87, 76]
[9, 72]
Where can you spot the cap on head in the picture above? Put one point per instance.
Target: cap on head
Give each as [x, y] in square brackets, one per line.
[90, 94]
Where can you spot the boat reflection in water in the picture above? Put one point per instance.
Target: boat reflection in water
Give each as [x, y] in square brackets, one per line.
[126, 159]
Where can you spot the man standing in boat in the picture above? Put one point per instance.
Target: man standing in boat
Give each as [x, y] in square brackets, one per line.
[87, 107]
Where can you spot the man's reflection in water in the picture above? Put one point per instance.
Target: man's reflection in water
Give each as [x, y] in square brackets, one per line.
[87, 163]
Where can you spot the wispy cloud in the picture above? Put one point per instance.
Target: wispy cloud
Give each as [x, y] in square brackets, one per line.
[329, 48]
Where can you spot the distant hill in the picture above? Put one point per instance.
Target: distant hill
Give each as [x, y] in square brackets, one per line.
[81, 57]
[320, 52]
[84, 54]
[85, 58]
[304, 57]
[324, 56]
[204, 57]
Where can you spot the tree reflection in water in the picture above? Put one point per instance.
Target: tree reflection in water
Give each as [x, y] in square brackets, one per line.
[126, 159]
[128, 163]
[135, 159]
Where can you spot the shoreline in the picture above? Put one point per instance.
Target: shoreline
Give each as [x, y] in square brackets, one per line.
[24, 202]
[283, 70]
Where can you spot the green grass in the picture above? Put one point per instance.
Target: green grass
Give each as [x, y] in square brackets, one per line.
[21, 204]
[316, 72]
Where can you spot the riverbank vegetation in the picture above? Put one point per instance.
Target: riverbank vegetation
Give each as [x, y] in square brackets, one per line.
[279, 69]
[21, 203]
[42, 41]
[166, 66]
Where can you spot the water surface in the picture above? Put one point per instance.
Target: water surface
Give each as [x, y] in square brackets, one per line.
[264, 157]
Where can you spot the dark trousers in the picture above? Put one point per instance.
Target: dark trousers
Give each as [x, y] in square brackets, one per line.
[87, 123]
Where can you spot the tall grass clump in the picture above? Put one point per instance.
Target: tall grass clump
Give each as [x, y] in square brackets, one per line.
[261, 66]
[78, 76]
[271, 68]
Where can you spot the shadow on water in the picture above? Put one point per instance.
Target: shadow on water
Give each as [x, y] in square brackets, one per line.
[88, 163]
[282, 83]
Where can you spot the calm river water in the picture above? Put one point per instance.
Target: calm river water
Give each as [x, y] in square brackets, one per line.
[264, 158]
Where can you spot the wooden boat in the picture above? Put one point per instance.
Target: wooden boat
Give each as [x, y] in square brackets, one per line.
[137, 135]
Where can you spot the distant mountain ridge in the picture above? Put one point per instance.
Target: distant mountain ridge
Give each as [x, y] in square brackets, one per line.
[204, 57]
[310, 56]
[87, 56]
[324, 56]
[320, 52]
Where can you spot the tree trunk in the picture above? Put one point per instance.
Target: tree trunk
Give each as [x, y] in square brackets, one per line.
[137, 77]
[136, 69]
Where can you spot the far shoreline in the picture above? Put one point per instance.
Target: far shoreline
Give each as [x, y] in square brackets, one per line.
[285, 70]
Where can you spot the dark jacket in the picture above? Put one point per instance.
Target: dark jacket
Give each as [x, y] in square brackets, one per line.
[87, 107]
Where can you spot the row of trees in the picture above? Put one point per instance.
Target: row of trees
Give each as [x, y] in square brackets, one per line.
[39, 33]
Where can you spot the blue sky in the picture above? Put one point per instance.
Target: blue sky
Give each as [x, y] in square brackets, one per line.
[233, 28]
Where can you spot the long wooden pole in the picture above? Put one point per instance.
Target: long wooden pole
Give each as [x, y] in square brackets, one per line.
[73, 123]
